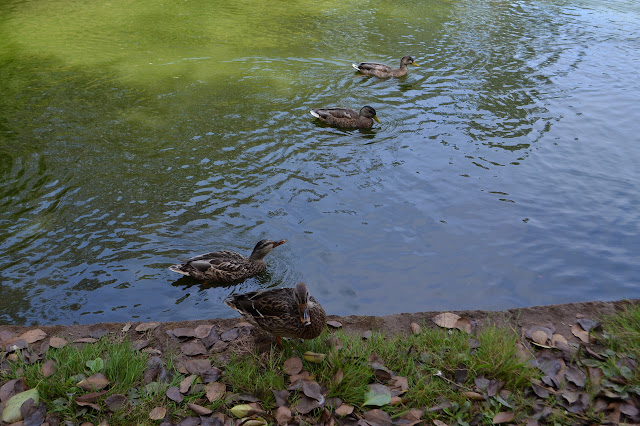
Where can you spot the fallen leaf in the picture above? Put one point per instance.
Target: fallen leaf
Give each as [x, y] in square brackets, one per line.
[337, 378]
[173, 393]
[93, 383]
[231, 334]
[193, 347]
[48, 368]
[581, 334]
[185, 384]
[415, 328]
[587, 324]
[540, 337]
[85, 340]
[292, 366]
[146, 326]
[33, 414]
[282, 396]
[378, 395]
[378, 417]
[115, 401]
[503, 417]
[33, 336]
[258, 421]
[446, 319]
[464, 324]
[184, 332]
[367, 334]
[57, 342]
[399, 383]
[126, 327]
[474, 396]
[158, 413]
[211, 338]
[558, 338]
[306, 405]
[334, 324]
[437, 422]
[199, 409]
[215, 391]
[283, 415]
[203, 330]
[241, 410]
[313, 357]
[575, 376]
[344, 410]
[313, 390]
[198, 366]
[11, 412]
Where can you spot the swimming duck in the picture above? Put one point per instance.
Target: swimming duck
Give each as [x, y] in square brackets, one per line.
[385, 71]
[225, 265]
[346, 117]
[283, 312]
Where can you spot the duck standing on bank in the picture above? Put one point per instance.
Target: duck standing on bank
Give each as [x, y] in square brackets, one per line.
[385, 71]
[283, 312]
[226, 265]
[347, 117]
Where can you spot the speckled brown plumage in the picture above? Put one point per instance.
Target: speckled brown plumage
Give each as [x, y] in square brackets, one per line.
[281, 311]
[347, 117]
[225, 265]
[385, 71]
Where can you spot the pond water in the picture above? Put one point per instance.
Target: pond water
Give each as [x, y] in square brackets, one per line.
[504, 172]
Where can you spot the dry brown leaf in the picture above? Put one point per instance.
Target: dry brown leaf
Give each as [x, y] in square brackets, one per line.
[446, 319]
[540, 337]
[192, 348]
[85, 340]
[158, 413]
[378, 417]
[334, 324]
[579, 332]
[57, 342]
[184, 332]
[437, 422]
[199, 409]
[292, 366]
[146, 326]
[415, 328]
[48, 368]
[558, 338]
[344, 410]
[337, 378]
[32, 336]
[203, 330]
[94, 383]
[198, 366]
[474, 396]
[503, 417]
[115, 401]
[126, 327]
[306, 405]
[185, 384]
[464, 324]
[173, 393]
[215, 391]
[283, 415]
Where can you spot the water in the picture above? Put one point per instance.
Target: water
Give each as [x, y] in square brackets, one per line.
[504, 172]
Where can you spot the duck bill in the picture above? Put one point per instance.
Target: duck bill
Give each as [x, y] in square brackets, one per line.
[279, 243]
[415, 63]
[375, 117]
[304, 314]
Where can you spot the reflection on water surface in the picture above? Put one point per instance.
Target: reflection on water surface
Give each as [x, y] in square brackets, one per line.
[503, 174]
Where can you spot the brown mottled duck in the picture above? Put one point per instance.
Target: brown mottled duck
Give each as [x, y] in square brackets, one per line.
[283, 312]
[385, 71]
[347, 117]
[225, 265]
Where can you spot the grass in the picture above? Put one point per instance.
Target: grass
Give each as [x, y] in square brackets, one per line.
[441, 366]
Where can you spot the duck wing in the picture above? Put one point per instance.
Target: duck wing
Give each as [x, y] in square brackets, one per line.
[336, 113]
[276, 303]
[368, 67]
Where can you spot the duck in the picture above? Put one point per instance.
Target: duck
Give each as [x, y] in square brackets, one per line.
[226, 265]
[385, 71]
[347, 117]
[283, 312]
